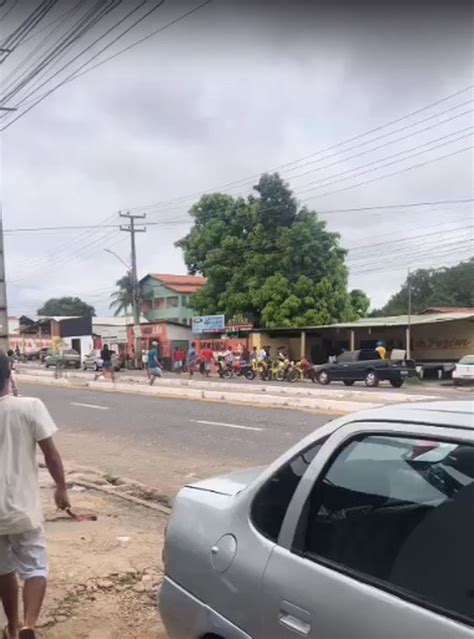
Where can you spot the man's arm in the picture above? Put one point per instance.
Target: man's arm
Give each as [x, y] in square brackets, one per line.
[55, 467]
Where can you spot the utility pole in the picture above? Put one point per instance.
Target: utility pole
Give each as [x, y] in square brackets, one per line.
[3, 294]
[132, 229]
[408, 336]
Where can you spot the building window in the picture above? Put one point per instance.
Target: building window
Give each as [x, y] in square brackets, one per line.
[184, 300]
[159, 303]
[172, 302]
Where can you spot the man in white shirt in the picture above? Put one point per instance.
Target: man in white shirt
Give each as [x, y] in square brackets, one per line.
[24, 422]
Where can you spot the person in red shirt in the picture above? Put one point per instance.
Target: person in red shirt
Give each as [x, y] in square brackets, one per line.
[178, 359]
[207, 356]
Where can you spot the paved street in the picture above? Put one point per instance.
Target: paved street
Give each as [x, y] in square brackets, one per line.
[164, 442]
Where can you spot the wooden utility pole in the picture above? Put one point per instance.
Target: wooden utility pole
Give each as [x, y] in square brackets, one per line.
[408, 337]
[132, 229]
[3, 294]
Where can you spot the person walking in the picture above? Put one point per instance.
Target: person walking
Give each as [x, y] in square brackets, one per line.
[107, 364]
[178, 357]
[12, 384]
[155, 369]
[24, 423]
[191, 359]
[207, 355]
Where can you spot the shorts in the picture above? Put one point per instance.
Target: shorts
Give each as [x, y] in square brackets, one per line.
[107, 365]
[25, 554]
[156, 372]
[207, 366]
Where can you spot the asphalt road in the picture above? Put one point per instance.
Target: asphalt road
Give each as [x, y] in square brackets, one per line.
[167, 442]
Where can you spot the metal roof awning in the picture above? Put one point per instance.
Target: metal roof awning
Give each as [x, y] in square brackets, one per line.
[377, 322]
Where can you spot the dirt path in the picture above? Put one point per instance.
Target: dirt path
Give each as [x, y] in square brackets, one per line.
[104, 575]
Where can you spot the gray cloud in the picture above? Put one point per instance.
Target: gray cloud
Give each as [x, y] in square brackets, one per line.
[238, 88]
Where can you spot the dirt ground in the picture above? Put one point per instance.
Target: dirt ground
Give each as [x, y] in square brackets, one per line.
[104, 575]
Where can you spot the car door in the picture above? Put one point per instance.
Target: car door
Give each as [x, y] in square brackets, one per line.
[343, 368]
[377, 540]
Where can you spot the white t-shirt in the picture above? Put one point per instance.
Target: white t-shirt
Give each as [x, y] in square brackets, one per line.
[24, 421]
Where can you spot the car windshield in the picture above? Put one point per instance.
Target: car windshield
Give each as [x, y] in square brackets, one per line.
[468, 360]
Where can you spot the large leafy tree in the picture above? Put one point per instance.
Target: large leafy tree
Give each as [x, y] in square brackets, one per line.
[447, 286]
[67, 306]
[268, 259]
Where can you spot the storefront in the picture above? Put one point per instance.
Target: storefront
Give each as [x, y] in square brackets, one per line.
[430, 338]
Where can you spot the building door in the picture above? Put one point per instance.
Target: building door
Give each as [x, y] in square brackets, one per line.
[76, 345]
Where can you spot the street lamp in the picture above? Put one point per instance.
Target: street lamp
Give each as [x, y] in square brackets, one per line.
[127, 266]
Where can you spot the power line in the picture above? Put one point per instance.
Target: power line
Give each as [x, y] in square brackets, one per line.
[397, 206]
[381, 177]
[77, 74]
[321, 151]
[312, 185]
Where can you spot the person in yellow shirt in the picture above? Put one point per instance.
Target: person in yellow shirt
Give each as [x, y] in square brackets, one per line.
[381, 350]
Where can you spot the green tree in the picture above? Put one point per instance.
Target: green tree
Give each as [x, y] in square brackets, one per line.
[447, 286]
[66, 306]
[122, 297]
[267, 259]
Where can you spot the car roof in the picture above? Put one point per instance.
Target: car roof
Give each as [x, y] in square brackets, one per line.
[447, 413]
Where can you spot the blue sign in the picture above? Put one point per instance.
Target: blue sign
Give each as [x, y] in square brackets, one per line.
[208, 324]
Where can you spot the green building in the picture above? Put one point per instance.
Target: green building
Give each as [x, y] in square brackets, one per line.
[167, 296]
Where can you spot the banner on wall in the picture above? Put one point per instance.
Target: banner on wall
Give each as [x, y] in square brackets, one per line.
[208, 324]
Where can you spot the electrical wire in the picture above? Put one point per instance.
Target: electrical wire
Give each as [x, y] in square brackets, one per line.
[77, 73]
[339, 144]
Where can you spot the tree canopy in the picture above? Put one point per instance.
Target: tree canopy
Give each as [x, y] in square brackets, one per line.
[268, 259]
[67, 306]
[122, 297]
[447, 286]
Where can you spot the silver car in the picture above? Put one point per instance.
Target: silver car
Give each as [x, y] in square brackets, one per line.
[364, 530]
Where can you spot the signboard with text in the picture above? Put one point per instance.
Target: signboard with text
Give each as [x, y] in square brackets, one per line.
[208, 324]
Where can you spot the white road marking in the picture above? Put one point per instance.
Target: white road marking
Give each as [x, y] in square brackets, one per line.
[90, 406]
[238, 426]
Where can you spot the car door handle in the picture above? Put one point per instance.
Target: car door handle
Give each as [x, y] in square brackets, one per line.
[295, 619]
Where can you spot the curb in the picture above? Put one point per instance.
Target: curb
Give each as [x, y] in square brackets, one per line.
[130, 498]
[169, 392]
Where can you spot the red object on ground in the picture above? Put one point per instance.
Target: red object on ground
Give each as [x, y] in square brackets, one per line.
[80, 517]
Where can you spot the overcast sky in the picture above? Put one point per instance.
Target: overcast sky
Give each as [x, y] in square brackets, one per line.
[236, 89]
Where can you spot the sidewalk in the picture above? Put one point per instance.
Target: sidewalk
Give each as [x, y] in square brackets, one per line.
[104, 575]
[335, 399]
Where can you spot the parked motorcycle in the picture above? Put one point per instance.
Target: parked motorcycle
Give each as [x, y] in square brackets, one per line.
[301, 370]
[244, 369]
[224, 370]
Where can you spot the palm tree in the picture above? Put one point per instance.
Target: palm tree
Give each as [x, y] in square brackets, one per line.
[122, 298]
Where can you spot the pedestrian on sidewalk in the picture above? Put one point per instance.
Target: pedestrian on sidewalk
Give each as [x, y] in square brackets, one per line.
[107, 364]
[11, 361]
[207, 355]
[192, 359]
[178, 359]
[155, 368]
[24, 422]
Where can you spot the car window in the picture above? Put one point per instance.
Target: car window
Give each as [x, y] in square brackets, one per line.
[392, 511]
[469, 360]
[368, 355]
[349, 356]
[271, 502]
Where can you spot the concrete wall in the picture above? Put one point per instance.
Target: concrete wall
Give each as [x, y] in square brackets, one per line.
[444, 341]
